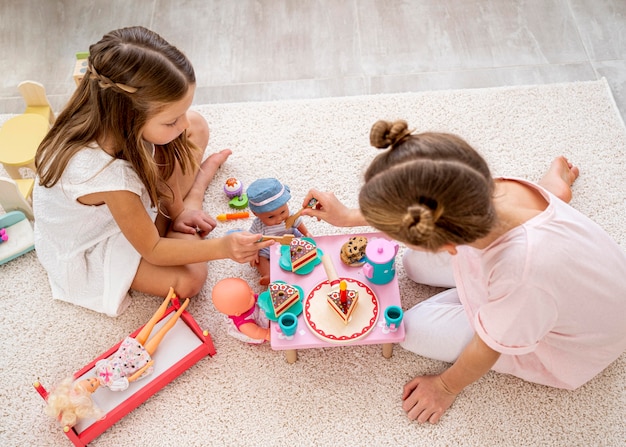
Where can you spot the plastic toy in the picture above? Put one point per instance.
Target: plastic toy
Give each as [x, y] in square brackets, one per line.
[393, 317]
[18, 237]
[19, 139]
[71, 400]
[185, 344]
[3, 235]
[233, 187]
[353, 252]
[381, 255]
[268, 201]
[232, 216]
[282, 240]
[237, 301]
[292, 219]
[286, 264]
[15, 195]
[80, 67]
[288, 324]
[34, 95]
[239, 202]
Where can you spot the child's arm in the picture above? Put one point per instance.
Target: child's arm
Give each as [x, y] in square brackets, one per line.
[426, 398]
[331, 210]
[141, 232]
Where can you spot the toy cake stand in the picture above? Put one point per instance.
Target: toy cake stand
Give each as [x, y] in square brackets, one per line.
[325, 324]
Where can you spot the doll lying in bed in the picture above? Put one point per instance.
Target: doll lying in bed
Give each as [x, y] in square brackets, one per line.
[71, 400]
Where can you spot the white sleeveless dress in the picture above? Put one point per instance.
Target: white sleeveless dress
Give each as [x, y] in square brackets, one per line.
[88, 260]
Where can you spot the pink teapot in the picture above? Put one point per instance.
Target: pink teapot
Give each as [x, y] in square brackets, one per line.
[380, 257]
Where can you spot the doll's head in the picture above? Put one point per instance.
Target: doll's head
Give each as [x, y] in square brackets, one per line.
[71, 401]
[233, 296]
[268, 200]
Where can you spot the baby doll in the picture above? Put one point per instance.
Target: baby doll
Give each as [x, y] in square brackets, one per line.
[234, 298]
[71, 400]
[267, 199]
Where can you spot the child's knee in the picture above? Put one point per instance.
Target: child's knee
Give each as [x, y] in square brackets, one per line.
[433, 269]
[192, 282]
[198, 131]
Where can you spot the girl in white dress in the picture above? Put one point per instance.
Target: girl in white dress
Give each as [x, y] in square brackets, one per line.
[120, 180]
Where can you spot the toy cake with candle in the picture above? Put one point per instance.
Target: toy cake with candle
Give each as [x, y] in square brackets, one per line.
[301, 252]
[282, 296]
[343, 301]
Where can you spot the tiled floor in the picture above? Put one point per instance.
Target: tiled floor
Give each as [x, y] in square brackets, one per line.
[257, 50]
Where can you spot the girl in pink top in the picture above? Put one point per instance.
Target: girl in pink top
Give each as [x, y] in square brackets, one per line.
[538, 288]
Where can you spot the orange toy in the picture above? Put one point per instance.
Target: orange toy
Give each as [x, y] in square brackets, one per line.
[234, 298]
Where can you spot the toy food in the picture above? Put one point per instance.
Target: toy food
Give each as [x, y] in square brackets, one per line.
[353, 252]
[343, 301]
[282, 297]
[302, 252]
[233, 187]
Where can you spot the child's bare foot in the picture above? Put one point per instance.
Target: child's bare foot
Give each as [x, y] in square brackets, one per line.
[207, 171]
[559, 178]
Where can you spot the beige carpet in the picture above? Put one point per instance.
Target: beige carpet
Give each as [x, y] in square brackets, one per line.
[347, 396]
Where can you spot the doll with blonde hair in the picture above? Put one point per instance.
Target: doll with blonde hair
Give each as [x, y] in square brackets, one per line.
[535, 288]
[70, 400]
[120, 180]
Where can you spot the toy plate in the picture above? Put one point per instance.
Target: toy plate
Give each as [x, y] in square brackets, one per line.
[285, 259]
[265, 303]
[326, 325]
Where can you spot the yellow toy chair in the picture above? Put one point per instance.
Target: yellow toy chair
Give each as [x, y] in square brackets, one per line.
[15, 195]
[21, 135]
[34, 95]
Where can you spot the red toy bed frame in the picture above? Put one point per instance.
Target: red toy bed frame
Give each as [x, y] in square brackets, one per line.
[185, 328]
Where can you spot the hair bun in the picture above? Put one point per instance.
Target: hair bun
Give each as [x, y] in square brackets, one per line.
[419, 221]
[385, 134]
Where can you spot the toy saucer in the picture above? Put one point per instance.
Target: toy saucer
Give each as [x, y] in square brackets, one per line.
[285, 259]
[265, 303]
[327, 326]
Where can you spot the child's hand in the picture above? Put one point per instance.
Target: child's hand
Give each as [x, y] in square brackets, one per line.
[194, 221]
[243, 247]
[426, 399]
[331, 210]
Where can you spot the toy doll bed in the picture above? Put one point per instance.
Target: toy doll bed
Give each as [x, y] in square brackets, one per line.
[184, 345]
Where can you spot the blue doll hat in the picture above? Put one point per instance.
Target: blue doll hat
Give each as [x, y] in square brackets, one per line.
[267, 194]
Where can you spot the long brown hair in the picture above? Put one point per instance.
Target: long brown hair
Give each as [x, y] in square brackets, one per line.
[426, 189]
[132, 74]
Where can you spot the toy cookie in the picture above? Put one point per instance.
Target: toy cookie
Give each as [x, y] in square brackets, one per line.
[353, 251]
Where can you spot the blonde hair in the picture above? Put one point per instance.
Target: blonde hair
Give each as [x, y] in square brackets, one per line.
[427, 189]
[68, 402]
[133, 73]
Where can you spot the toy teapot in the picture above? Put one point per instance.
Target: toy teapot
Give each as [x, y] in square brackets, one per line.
[380, 256]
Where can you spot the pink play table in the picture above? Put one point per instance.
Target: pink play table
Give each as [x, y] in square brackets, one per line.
[387, 295]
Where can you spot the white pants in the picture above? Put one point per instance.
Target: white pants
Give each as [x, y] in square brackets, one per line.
[438, 327]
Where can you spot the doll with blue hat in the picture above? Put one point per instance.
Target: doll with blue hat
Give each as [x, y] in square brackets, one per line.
[268, 200]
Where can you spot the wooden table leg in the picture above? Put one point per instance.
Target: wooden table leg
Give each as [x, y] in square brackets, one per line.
[291, 355]
[387, 350]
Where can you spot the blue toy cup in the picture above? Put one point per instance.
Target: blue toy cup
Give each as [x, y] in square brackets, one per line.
[393, 316]
[288, 323]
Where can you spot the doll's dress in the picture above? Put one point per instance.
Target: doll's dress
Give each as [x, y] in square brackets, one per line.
[114, 371]
[254, 315]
